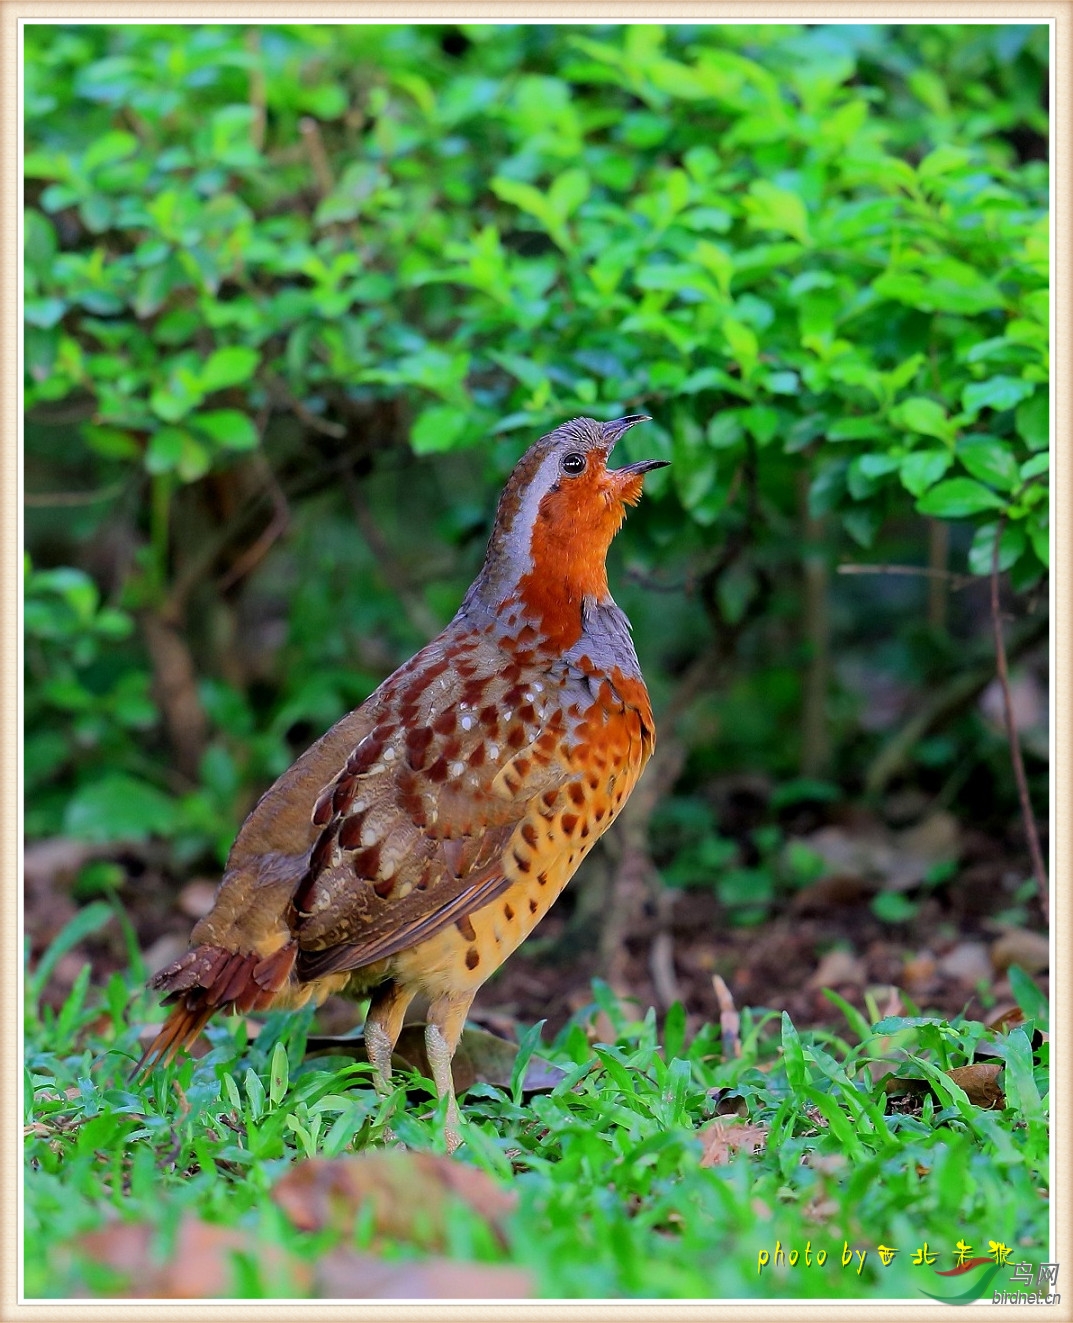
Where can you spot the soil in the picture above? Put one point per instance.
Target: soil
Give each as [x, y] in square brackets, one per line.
[949, 957]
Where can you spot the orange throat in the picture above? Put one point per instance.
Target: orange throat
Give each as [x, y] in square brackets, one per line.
[571, 534]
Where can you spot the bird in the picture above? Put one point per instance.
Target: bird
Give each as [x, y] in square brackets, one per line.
[420, 841]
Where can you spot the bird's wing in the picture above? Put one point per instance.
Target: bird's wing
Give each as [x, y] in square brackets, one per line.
[416, 829]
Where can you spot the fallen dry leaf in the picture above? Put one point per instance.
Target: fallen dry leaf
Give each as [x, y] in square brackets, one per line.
[979, 1081]
[344, 1274]
[1005, 1017]
[823, 895]
[1031, 951]
[725, 1137]
[870, 853]
[967, 962]
[836, 969]
[201, 1266]
[480, 1057]
[410, 1194]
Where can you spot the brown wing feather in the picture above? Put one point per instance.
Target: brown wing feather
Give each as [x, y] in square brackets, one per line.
[334, 959]
[414, 827]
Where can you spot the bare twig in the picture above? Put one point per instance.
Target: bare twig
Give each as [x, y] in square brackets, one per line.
[318, 157]
[955, 694]
[74, 498]
[258, 89]
[281, 394]
[1031, 832]
[395, 576]
[815, 732]
[175, 686]
[956, 581]
[939, 579]
[729, 1019]
[277, 526]
[661, 967]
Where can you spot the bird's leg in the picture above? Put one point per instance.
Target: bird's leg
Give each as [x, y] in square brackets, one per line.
[383, 1024]
[446, 1016]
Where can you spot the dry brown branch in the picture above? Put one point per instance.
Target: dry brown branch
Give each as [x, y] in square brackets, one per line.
[1038, 867]
[74, 498]
[258, 90]
[661, 967]
[318, 157]
[960, 690]
[955, 581]
[939, 579]
[277, 526]
[395, 575]
[175, 687]
[729, 1019]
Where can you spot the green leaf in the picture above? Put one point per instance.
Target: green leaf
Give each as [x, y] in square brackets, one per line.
[770, 207]
[990, 460]
[227, 427]
[568, 192]
[437, 428]
[1039, 534]
[90, 919]
[793, 1056]
[278, 1075]
[942, 160]
[116, 807]
[1032, 421]
[761, 422]
[743, 344]
[958, 497]
[174, 449]
[43, 312]
[1019, 1078]
[923, 469]
[1032, 468]
[228, 367]
[1029, 997]
[1011, 547]
[996, 393]
[694, 467]
[857, 429]
[109, 147]
[111, 442]
[724, 430]
[919, 414]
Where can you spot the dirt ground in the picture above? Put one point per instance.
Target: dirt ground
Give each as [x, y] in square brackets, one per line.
[949, 957]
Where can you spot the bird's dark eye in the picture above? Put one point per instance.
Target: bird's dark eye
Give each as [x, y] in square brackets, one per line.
[574, 463]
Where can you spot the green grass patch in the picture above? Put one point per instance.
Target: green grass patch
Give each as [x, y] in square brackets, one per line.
[656, 1168]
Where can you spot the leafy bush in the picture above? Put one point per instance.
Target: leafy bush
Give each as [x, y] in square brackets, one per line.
[822, 267]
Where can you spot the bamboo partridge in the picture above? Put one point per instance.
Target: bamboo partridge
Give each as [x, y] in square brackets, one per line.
[423, 838]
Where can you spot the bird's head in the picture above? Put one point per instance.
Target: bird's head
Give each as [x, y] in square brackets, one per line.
[559, 511]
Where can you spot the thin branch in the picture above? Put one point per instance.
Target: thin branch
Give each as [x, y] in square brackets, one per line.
[277, 526]
[258, 90]
[395, 575]
[47, 499]
[318, 157]
[962, 688]
[956, 581]
[1031, 832]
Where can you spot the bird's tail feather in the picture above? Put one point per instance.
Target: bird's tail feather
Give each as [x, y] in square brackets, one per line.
[210, 979]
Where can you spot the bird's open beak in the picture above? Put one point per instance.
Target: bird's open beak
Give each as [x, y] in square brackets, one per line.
[614, 430]
[642, 466]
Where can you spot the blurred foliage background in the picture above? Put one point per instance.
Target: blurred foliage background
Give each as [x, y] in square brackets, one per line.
[296, 299]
